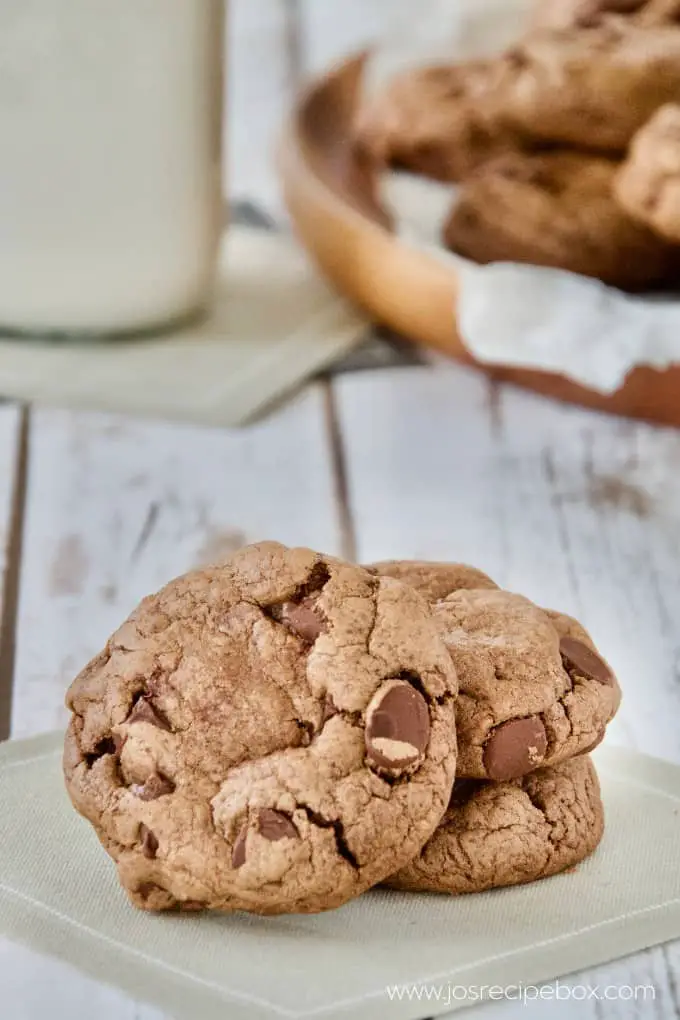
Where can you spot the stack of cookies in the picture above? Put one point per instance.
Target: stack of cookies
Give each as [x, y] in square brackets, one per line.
[566, 147]
[283, 731]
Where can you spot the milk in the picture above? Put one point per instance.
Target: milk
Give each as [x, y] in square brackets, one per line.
[110, 127]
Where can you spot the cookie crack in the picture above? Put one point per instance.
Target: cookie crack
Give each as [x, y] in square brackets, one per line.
[374, 623]
[412, 678]
[338, 828]
[317, 580]
[553, 837]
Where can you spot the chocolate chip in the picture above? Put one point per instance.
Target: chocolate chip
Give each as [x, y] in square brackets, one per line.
[148, 841]
[238, 853]
[515, 748]
[144, 711]
[157, 785]
[397, 726]
[273, 825]
[585, 661]
[303, 618]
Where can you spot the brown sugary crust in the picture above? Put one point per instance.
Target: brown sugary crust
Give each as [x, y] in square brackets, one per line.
[588, 87]
[433, 580]
[501, 834]
[273, 734]
[557, 209]
[648, 184]
[426, 121]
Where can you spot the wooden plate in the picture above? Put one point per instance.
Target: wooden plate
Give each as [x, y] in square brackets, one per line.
[332, 200]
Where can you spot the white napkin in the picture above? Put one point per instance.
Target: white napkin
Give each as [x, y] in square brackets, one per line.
[385, 955]
[275, 322]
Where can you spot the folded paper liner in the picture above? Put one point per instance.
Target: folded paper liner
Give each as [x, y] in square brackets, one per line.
[274, 323]
[510, 314]
[59, 894]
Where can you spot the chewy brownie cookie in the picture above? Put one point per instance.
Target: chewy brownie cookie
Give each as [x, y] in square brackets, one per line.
[273, 734]
[533, 689]
[499, 834]
[648, 183]
[433, 580]
[426, 121]
[557, 209]
[589, 87]
[585, 13]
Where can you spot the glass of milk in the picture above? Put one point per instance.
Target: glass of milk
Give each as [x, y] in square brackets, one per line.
[110, 163]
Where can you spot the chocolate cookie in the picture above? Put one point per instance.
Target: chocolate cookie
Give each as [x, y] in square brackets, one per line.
[557, 209]
[426, 121]
[659, 12]
[534, 691]
[588, 87]
[433, 580]
[274, 734]
[648, 183]
[586, 13]
[500, 834]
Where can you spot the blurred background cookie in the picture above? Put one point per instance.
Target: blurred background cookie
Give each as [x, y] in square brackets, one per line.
[566, 13]
[590, 87]
[426, 121]
[557, 209]
[648, 183]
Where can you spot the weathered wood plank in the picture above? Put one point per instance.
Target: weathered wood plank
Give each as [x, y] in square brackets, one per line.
[115, 508]
[260, 86]
[577, 510]
[11, 453]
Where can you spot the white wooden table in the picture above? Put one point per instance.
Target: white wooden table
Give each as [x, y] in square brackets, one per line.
[575, 510]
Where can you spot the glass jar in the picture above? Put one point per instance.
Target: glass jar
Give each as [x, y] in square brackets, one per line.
[110, 175]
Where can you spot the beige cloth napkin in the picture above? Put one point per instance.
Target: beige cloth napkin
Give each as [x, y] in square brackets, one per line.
[275, 322]
[58, 892]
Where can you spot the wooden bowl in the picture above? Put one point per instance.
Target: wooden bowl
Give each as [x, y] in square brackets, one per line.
[332, 199]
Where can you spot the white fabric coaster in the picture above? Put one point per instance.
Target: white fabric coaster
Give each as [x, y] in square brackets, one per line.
[59, 893]
[275, 322]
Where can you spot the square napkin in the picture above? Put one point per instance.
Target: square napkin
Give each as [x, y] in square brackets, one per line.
[59, 893]
[274, 323]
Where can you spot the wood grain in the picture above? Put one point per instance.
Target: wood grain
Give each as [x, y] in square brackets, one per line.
[577, 510]
[260, 86]
[116, 508]
[12, 455]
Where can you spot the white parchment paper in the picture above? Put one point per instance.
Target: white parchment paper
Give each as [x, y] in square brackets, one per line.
[511, 314]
